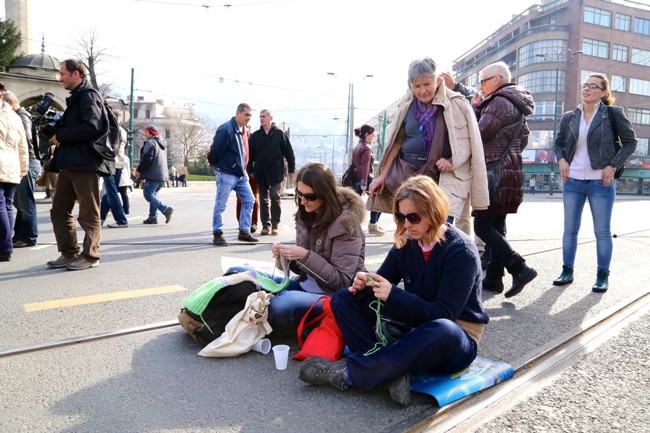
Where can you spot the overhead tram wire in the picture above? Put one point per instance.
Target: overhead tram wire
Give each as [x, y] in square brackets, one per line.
[224, 5]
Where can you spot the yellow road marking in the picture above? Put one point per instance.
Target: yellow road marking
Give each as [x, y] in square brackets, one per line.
[93, 299]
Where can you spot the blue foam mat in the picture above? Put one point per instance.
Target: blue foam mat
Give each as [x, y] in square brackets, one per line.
[447, 388]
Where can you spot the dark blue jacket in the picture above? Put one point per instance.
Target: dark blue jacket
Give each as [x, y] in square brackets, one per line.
[447, 286]
[600, 138]
[226, 153]
[82, 123]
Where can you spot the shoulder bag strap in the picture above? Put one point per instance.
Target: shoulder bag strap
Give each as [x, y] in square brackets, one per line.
[302, 325]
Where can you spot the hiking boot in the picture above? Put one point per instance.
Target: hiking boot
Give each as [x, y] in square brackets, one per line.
[61, 262]
[82, 263]
[117, 226]
[253, 228]
[150, 220]
[400, 390]
[565, 277]
[275, 231]
[265, 231]
[219, 240]
[168, 214]
[320, 371]
[374, 229]
[602, 284]
[246, 237]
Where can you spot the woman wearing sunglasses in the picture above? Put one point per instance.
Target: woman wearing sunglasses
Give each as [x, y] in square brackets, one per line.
[588, 155]
[435, 321]
[329, 249]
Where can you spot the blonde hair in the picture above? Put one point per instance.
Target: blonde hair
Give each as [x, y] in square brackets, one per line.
[432, 206]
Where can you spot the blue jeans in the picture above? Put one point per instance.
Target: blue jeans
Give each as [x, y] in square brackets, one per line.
[226, 183]
[7, 191]
[26, 225]
[111, 199]
[601, 202]
[440, 346]
[150, 192]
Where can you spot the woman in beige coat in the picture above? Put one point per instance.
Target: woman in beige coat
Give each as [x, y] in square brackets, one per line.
[459, 165]
[13, 166]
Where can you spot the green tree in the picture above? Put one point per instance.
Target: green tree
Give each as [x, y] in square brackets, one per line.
[10, 40]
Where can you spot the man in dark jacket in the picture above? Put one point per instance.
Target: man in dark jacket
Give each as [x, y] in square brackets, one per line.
[269, 148]
[79, 168]
[153, 170]
[228, 154]
[25, 226]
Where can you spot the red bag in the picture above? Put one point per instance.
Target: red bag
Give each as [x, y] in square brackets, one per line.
[326, 340]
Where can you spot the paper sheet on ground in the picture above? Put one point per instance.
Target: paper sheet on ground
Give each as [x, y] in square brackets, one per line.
[258, 265]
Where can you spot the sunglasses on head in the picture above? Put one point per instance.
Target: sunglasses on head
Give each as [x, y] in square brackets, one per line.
[413, 218]
[592, 86]
[306, 196]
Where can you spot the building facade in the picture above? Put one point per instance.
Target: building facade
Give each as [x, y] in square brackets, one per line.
[551, 48]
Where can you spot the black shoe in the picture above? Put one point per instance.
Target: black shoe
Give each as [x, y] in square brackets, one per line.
[602, 284]
[168, 214]
[400, 390]
[150, 221]
[5, 257]
[253, 228]
[219, 240]
[493, 285]
[525, 276]
[320, 371]
[485, 259]
[565, 277]
[493, 281]
[246, 237]
[23, 244]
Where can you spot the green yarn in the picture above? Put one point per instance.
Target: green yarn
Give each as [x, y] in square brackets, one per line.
[376, 307]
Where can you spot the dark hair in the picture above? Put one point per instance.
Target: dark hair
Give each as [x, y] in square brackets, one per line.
[320, 178]
[243, 107]
[431, 204]
[364, 131]
[75, 65]
[607, 99]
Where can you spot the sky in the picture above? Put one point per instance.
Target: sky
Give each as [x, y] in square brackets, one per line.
[273, 54]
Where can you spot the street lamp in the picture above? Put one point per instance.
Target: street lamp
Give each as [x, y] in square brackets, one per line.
[558, 54]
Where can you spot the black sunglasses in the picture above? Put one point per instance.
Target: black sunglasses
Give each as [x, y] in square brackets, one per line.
[307, 196]
[412, 217]
[484, 80]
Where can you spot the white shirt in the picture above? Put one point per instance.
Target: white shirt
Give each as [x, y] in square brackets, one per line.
[580, 167]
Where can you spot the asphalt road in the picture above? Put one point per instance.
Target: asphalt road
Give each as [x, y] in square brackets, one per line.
[155, 382]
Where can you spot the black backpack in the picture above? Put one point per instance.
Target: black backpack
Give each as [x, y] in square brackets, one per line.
[108, 143]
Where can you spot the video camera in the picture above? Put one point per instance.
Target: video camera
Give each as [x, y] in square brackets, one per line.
[47, 118]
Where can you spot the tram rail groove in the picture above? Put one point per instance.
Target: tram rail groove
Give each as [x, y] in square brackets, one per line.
[471, 411]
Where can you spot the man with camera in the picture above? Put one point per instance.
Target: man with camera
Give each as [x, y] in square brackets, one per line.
[79, 168]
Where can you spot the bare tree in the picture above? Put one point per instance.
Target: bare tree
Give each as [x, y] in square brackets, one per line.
[192, 133]
[89, 51]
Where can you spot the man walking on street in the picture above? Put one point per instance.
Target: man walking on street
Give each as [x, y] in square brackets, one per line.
[228, 154]
[25, 226]
[270, 146]
[153, 170]
[79, 168]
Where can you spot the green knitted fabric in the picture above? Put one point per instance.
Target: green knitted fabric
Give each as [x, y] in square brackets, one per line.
[199, 299]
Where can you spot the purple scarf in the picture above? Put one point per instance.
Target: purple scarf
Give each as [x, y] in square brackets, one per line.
[425, 116]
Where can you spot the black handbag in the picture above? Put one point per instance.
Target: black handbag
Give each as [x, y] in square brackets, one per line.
[617, 141]
[494, 168]
[350, 176]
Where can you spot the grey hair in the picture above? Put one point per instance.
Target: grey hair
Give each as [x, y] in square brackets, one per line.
[419, 68]
[9, 96]
[497, 69]
[243, 106]
[267, 112]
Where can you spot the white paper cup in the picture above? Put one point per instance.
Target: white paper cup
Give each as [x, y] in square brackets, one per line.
[281, 355]
[263, 346]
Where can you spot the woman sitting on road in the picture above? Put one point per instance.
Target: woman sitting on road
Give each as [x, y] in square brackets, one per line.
[330, 245]
[439, 313]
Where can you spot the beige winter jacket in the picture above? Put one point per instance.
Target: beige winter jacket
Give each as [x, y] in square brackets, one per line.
[14, 157]
[469, 177]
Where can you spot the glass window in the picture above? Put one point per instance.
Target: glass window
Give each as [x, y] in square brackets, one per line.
[472, 80]
[528, 53]
[639, 115]
[167, 134]
[640, 57]
[542, 81]
[135, 114]
[540, 139]
[618, 83]
[619, 53]
[639, 87]
[642, 26]
[544, 110]
[623, 22]
[642, 146]
[597, 16]
[147, 114]
[592, 47]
